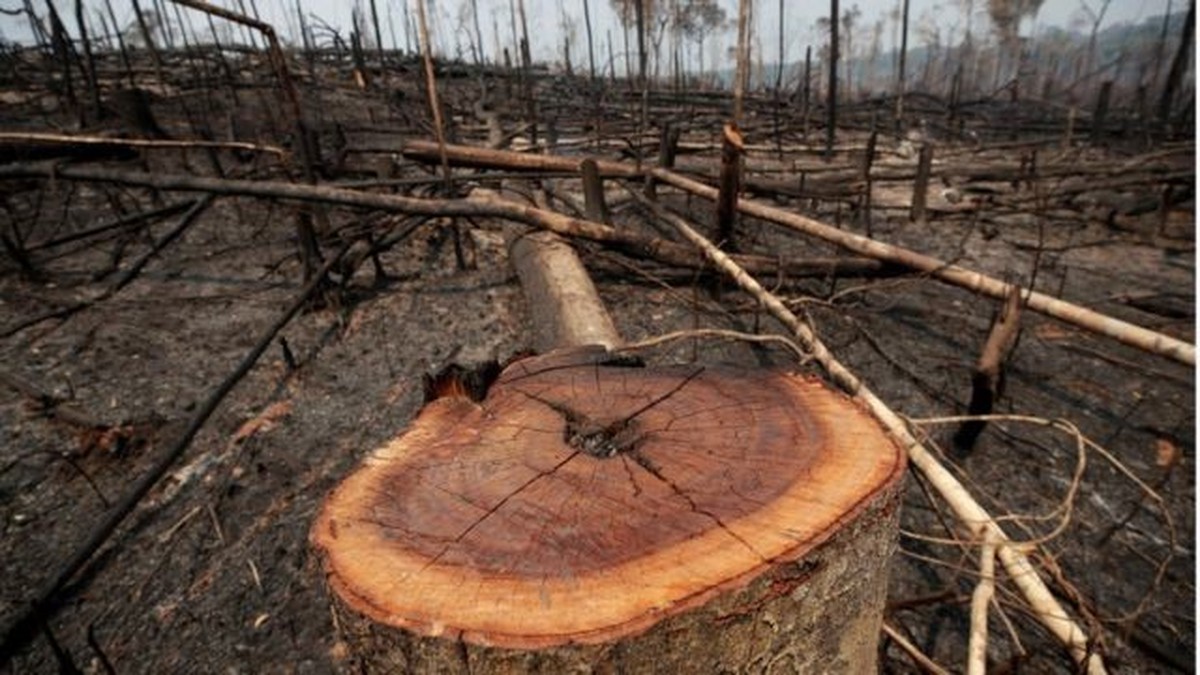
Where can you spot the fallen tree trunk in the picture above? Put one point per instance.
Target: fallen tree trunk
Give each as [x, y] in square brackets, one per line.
[486, 158]
[561, 298]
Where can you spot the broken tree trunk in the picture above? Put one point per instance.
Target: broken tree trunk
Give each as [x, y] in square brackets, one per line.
[588, 514]
[731, 174]
[987, 381]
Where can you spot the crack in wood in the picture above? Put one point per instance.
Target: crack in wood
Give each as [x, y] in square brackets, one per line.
[500, 504]
[601, 440]
[605, 441]
[644, 462]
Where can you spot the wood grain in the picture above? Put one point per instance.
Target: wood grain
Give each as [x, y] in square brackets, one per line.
[583, 502]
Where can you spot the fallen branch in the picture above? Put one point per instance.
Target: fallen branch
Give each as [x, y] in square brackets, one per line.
[482, 204]
[909, 648]
[36, 140]
[981, 525]
[485, 158]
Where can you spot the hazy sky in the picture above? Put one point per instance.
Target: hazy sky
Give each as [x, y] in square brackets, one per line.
[547, 17]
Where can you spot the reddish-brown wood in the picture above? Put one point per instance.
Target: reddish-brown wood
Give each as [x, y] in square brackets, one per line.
[582, 502]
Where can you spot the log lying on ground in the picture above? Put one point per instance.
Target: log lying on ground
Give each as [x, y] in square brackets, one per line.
[586, 514]
[562, 299]
[486, 158]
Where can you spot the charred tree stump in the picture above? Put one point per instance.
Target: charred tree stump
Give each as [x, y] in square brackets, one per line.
[1100, 116]
[730, 185]
[595, 206]
[667, 146]
[868, 160]
[921, 184]
[987, 382]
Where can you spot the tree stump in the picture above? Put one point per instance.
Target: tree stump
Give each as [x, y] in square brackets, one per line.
[591, 515]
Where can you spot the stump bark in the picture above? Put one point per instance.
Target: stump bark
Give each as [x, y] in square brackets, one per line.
[589, 515]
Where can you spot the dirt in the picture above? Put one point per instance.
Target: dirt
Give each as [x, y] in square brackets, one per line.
[213, 572]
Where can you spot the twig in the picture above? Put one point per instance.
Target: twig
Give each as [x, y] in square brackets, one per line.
[1061, 425]
[917, 655]
[216, 523]
[254, 574]
[166, 536]
[756, 338]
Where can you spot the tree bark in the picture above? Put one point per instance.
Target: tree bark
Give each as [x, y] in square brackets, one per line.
[562, 300]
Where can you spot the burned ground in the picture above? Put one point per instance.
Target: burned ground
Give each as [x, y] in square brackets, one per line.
[213, 571]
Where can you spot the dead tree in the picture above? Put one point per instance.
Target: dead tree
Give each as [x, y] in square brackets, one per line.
[587, 21]
[1178, 66]
[900, 69]
[831, 103]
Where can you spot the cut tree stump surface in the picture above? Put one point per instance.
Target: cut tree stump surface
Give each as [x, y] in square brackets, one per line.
[585, 499]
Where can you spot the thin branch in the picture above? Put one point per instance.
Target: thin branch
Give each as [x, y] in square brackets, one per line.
[68, 139]
[917, 655]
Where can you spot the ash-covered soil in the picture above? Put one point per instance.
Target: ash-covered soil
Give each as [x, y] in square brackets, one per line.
[213, 571]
